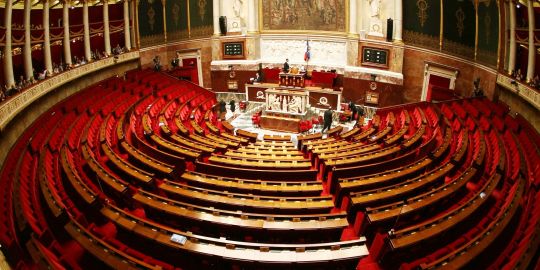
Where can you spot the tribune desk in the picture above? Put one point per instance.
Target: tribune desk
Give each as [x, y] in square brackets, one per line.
[318, 97]
[292, 80]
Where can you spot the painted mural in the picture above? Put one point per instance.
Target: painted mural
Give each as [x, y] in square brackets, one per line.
[488, 32]
[421, 23]
[151, 22]
[317, 15]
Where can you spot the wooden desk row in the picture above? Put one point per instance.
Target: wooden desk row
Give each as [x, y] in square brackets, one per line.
[223, 220]
[127, 169]
[268, 151]
[103, 251]
[344, 252]
[393, 138]
[117, 185]
[74, 179]
[371, 157]
[417, 233]
[265, 156]
[361, 200]
[260, 163]
[380, 180]
[175, 149]
[284, 188]
[376, 216]
[193, 144]
[158, 167]
[248, 202]
[364, 134]
[462, 256]
[261, 174]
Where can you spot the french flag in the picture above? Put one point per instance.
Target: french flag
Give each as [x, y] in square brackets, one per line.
[307, 54]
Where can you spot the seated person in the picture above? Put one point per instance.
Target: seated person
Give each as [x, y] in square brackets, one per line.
[257, 78]
[294, 70]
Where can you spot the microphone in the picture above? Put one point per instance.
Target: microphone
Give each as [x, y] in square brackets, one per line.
[392, 230]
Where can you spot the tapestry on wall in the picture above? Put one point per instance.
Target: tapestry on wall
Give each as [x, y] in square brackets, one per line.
[151, 22]
[422, 22]
[177, 20]
[201, 18]
[459, 23]
[488, 32]
[318, 15]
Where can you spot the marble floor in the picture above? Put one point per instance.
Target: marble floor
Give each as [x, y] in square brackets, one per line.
[242, 120]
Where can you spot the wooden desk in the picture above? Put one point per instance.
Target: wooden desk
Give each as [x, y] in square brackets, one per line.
[277, 123]
[291, 80]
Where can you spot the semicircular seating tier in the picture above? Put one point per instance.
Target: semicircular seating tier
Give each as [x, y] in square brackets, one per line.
[140, 173]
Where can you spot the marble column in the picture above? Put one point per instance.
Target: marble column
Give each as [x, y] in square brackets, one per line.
[531, 67]
[359, 16]
[86, 25]
[47, 38]
[28, 71]
[398, 20]
[353, 31]
[106, 32]
[8, 57]
[127, 38]
[133, 20]
[512, 50]
[67, 40]
[216, 10]
[252, 17]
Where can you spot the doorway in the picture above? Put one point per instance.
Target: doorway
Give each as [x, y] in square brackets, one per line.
[439, 82]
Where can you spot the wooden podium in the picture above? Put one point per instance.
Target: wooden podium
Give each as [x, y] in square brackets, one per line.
[291, 80]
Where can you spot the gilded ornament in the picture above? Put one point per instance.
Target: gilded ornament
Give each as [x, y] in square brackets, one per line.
[487, 26]
[422, 6]
[460, 17]
[202, 9]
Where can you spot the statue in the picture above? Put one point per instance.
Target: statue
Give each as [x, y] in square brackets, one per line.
[375, 8]
[274, 102]
[294, 105]
[237, 7]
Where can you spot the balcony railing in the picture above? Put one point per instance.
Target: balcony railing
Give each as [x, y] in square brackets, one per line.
[14, 105]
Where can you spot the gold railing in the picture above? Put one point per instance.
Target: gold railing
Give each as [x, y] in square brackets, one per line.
[15, 105]
[529, 94]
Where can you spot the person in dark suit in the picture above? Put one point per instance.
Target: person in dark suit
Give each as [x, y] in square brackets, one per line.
[352, 107]
[233, 106]
[286, 66]
[222, 106]
[327, 120]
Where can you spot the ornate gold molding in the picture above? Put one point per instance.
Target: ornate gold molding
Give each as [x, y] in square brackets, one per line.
[15, 105]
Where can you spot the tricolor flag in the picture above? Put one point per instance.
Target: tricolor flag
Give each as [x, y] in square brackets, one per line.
[307, 54]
